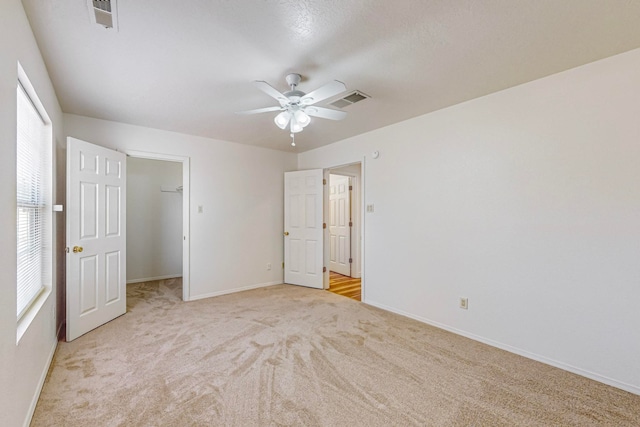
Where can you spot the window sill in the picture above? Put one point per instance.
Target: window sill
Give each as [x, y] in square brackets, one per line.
[27, 318]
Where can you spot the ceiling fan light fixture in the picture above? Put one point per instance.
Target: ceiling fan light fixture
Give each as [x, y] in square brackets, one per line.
[302, 118]
[296, 107]
[282, 119]
[295, 126]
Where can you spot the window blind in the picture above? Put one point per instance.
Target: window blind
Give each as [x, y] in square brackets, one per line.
[33, 160]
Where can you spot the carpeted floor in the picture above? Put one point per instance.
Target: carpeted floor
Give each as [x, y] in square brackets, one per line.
[291, 356]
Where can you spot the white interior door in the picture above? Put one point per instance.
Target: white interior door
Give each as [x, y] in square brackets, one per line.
[303, 239]
[339, 225]
[96, 236]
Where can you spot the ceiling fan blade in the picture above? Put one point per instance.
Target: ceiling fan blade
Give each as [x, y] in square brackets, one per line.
[271, 91]
[327, 91]
[325, 113]
[259, 110]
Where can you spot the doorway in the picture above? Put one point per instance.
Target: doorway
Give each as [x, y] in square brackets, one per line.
[158, 219]
[344, 230]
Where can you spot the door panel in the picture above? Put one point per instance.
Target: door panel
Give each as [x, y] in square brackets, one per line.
[303, 238]
[88, 217]
[339, 230]
[113, 211]
[113, 276]
[88, 284]
[96, 205]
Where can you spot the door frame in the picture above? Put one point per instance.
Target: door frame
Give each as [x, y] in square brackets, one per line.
[186, 173]
[359, 187]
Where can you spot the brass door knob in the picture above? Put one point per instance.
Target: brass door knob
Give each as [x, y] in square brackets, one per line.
[286, 233]
[77, 249]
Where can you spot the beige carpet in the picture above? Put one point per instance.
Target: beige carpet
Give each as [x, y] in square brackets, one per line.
[291, 356]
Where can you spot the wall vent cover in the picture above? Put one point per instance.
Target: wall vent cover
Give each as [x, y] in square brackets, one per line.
[352, 98]
[102, 5]
[103, 13]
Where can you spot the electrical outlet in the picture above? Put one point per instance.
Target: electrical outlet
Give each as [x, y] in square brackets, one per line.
[464, 303]
[268, 266]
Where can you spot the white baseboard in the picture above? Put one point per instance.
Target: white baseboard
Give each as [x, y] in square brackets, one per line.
[43, 377]
[234, 290]
[566, 367]
[149, 279]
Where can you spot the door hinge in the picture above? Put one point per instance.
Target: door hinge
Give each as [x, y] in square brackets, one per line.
[324, 269]
[350, 224]
[351, 188]
[324, 225]
[324, 182]
[283, 265]
[350, 260]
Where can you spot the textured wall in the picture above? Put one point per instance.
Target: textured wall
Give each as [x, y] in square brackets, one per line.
[240, 189]
[526, 202]
[154, 219]
[24, 365]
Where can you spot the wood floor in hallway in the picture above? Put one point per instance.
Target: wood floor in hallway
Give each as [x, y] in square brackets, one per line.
[345, 286]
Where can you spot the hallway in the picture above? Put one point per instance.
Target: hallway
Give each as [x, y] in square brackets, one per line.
[345, 286]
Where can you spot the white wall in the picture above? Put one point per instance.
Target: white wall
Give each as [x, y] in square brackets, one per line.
[154, 219]
[240, 189]
[527, 202]
[24, 365]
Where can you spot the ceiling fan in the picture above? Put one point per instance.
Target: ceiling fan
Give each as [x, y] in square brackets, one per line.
[296, 107]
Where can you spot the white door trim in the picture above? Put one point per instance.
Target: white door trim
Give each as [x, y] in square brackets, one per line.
[186, 288]
[359, 187]
[358, 216]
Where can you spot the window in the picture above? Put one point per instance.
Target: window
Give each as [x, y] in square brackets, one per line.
[34, 212]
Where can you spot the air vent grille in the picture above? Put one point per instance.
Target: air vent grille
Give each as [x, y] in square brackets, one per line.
[103, 13]
[352, 98]
[102, 5]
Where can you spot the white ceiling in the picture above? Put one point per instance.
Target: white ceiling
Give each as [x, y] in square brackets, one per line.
[187, 66]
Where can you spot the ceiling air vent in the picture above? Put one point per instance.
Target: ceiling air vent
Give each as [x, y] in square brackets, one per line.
[352, 98]
[103, 13]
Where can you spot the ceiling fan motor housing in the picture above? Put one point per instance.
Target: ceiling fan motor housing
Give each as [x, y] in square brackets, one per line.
[294, 96]
[293, 79]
